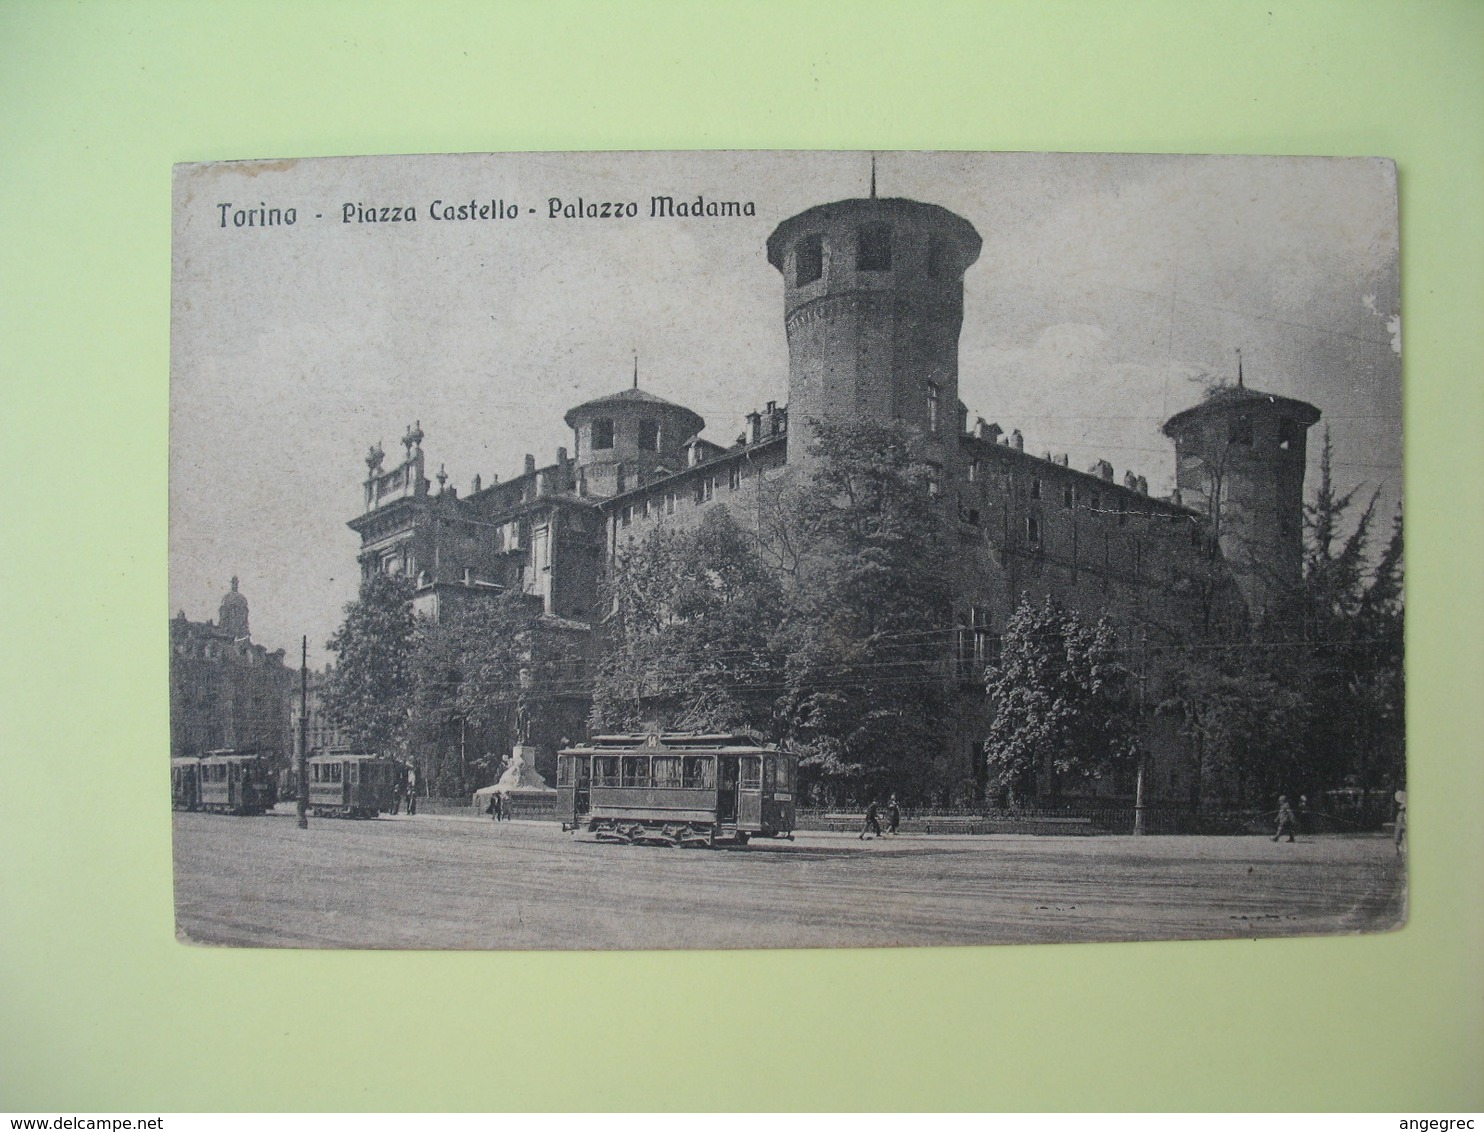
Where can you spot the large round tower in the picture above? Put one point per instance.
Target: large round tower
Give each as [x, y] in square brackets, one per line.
[873, 303]
[1239, 459]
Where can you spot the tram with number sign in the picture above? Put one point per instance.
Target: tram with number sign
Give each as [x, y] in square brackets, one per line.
[352, 784]
[227, 782]
[677, 789]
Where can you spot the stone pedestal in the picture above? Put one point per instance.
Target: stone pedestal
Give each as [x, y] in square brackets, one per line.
[525, 792]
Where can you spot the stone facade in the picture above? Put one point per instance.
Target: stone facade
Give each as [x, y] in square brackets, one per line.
[873, 305]
[225, 691]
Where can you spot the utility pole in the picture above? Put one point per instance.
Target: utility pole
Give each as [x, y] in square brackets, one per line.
[301, 760]
[1143, 694]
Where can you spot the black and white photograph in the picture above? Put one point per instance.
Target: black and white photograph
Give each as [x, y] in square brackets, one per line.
[736, 549]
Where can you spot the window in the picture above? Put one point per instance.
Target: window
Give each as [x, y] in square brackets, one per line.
[666, 771]
[934, 481]
[939, 261]
[750, 772]
[873, 250]
[785, 771]
[1032, 530]
[669, 503]
[602, 433]
[699, 772]
[1069, 497]
[1289, 433]
[974, 470]
[705, 489]
[1035, 489]
[649, 436]
[1095, 503]
[734, 477]
[636, 770]
[977, 647]
[605, 770]
[932, 407]
[972, 516]
[808, 260]
[626, 514]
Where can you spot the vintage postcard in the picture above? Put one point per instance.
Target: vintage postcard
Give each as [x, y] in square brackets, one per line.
[749, 549]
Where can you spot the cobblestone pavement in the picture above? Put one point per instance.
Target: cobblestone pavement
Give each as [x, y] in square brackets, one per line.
[461, 881]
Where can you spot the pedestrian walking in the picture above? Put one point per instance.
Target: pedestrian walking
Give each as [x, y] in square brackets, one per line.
[397, 784]
[1401, 822]
[893, 816]
[411, 791]
[1285, 818]
[871, 824]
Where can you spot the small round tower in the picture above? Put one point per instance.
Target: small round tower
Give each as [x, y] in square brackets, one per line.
[873, 303]
[232, 614]
[620, 439]
[1239, 459]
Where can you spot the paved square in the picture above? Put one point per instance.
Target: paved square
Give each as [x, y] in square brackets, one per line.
[464, 882]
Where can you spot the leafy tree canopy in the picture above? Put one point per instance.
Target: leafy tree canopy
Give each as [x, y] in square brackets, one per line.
[688, 643]
[866, 694]
[1063, 701]
[369, 693]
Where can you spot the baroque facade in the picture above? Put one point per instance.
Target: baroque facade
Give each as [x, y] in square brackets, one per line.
[873, 306]
[225, 691]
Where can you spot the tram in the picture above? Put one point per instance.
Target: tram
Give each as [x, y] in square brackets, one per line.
[351, 784]
[234, 782]
[677, 789]
[185, 784]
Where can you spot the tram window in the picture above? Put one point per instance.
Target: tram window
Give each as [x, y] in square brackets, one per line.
[700, 772]
[666, 770]
[770, 774]
[785, 775]
[751, 772]
[636, 770]
[564, 772]
[605, 770]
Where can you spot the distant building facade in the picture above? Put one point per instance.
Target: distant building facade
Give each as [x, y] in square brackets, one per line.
[323, 733]
[873, 306]
[226, 691]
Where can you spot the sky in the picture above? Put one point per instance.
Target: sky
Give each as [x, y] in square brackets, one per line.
[1111, 289]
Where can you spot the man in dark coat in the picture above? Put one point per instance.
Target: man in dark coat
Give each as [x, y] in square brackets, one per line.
[893, 816]
[871, 824]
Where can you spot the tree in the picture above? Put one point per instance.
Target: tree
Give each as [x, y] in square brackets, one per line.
[866, 693]
[688, 643]
[1244, 718]
[369, 693]
[1064, 703]
[476, 670]
[1337, 635]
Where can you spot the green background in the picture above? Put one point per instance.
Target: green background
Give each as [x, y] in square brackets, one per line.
[103, 1009]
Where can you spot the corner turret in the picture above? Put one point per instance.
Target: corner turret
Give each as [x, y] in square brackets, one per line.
[1240, 458]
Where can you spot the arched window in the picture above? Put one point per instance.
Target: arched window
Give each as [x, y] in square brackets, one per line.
[873, 252]
[808, 260]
